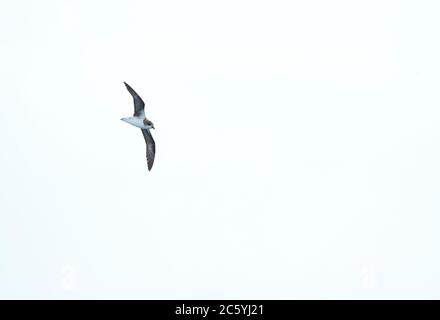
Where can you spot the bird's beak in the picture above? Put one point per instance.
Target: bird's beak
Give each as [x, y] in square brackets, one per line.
[153, 127]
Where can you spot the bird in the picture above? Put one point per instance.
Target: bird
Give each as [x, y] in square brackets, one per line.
[139, 120]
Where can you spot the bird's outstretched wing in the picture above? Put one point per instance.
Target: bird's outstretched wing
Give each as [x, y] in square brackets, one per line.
[151, 147]
[138, 102]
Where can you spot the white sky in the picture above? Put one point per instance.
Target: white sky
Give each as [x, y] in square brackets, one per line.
[297, 144]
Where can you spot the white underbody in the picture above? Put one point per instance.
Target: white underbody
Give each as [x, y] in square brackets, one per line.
[137, 122]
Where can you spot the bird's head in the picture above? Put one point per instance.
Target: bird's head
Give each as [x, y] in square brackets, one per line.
[148, 123]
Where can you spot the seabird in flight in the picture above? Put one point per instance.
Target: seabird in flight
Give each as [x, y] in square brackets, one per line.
[139, 120]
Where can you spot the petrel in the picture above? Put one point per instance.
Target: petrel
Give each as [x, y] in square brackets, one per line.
[139, 120]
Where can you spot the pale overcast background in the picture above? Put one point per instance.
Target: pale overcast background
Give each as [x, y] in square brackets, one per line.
[298, 149]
